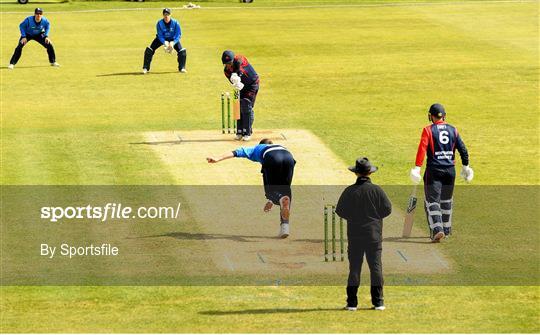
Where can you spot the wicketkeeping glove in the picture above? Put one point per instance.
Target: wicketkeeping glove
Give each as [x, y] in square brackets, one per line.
[467, 173]
[415, 175]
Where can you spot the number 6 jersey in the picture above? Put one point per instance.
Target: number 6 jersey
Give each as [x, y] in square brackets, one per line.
[440, 141]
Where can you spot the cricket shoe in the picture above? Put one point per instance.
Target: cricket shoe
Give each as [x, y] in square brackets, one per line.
[55, 64]
[285, 204]
[183, 71]
[284, 230]
[379, 308]
[350, 308]
[447, 231]
[238, 137]
[144, 71]
[268, 206]
[246, 138]
[438, 235]
[11, 66]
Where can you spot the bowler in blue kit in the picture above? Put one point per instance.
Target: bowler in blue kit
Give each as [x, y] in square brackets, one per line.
[277, 170]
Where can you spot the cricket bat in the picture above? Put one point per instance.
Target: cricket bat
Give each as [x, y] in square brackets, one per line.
[409, 218]
[236, 104]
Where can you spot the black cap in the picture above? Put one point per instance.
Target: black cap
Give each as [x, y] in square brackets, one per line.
[38, 11]
[166, 11]
[227, 57]
[437, 110]
[363, 166]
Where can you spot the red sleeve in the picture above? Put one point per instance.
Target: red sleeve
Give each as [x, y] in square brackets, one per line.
[422, 147]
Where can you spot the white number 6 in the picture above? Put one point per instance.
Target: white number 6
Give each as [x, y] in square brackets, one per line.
[443, 137]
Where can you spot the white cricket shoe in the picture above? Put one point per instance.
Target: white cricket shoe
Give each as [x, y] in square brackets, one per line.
[246, 138]
[238, 137]
[379, 308]
[285, 204]
[55, 64]
[11, 66]
[350, 308]
[144, 71]
[183, 71]
[284, 230]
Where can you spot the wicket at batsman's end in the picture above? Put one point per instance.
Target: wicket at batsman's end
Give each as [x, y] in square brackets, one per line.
[226, 97]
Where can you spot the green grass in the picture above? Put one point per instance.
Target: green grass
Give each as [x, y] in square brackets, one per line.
[268, 309]
[363, 86]
[361, 78]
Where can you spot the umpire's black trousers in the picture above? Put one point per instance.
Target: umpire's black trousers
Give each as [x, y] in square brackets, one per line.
[356, 250]
[41, 40]
[277, 170]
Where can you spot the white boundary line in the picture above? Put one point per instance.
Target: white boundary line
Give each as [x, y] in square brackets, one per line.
[323, 6]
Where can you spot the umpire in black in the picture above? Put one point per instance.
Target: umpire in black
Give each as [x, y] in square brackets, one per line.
[364, 205]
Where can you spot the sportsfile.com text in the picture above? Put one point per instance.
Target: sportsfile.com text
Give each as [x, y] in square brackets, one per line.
[109, 211]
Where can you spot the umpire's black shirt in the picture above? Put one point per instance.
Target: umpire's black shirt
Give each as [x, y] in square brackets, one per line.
[364, 206]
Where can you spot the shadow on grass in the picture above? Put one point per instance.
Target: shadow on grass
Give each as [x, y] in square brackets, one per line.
[180, 141]
[237, 238]
[35, 2]
[138, 73]
[415, 240]
[275, 311]
[24, 67]
[201, 236]
[158, 142]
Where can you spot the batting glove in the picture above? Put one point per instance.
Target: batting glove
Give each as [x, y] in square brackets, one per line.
[467, 173]
[239, 86]
[415, 175]
[235, 79]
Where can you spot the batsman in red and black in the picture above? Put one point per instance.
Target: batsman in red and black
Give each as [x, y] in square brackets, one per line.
[244, 78]
[439, 142]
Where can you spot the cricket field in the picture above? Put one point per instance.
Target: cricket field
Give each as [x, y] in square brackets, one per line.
[339, 79]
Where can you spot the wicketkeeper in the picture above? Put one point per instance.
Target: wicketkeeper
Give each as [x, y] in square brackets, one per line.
[439, 142]
[36, 28]
[244, 78]
[277, 170]
[168, 35]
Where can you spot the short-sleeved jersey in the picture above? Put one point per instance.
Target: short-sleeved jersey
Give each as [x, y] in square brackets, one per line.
[439, 142]
[245, 71]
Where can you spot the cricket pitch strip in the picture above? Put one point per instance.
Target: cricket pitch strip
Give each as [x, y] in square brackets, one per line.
[241, 239]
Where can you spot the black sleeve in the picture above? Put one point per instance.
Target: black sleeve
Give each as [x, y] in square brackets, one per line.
[385, 206]
[344, 205]
[462, 151]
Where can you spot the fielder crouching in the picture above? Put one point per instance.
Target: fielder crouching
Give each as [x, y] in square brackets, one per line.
[168, 35]
[277, 170]
[36, 28]
[439, 142]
